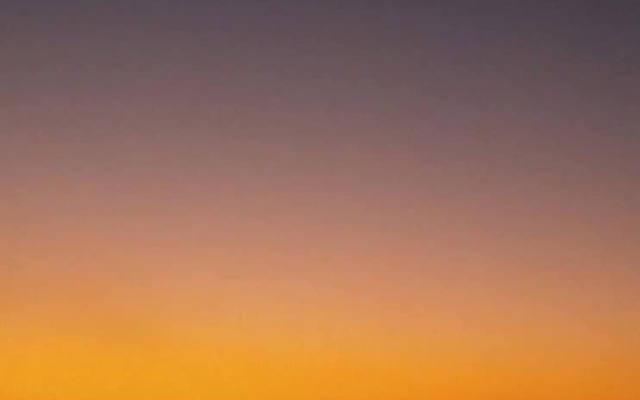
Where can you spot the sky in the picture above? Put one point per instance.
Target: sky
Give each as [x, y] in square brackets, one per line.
[319, 200]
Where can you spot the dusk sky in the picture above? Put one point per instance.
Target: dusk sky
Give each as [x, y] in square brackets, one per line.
[330, 200]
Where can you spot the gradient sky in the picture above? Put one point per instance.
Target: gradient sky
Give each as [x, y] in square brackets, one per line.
[303, 200]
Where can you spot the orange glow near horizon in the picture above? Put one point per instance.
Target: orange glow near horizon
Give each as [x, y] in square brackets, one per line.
[237, 202]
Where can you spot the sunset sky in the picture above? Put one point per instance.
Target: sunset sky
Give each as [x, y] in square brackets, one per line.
[330, 200]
